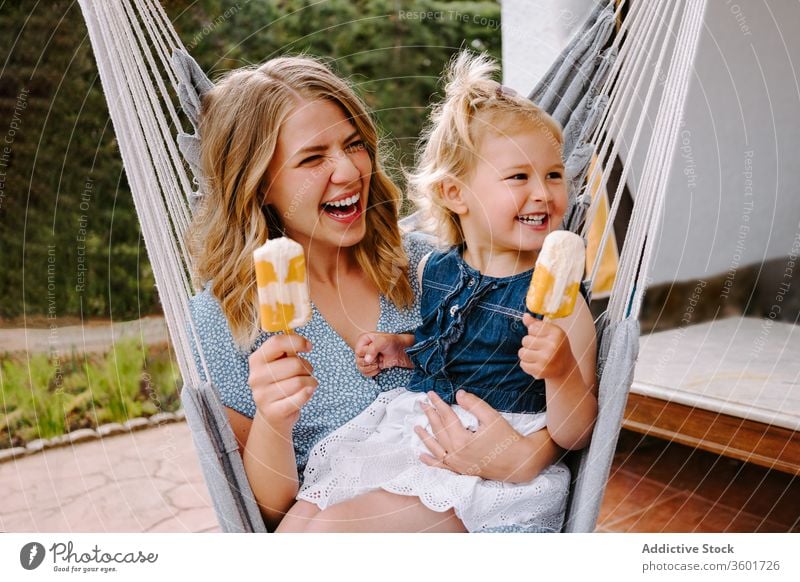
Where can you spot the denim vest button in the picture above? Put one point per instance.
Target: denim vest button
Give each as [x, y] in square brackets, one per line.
[471, 282]
[453, 310]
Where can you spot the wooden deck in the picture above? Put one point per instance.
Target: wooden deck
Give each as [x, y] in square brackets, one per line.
[731, 387]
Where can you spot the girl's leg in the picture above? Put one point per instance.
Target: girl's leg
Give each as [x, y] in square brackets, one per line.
[298, 518]
[381, 511]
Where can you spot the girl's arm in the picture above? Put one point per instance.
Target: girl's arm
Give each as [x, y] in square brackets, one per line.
[282, 384]
[377, 351]
[563, 352]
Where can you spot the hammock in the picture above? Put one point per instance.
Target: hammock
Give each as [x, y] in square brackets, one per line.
[608, 65]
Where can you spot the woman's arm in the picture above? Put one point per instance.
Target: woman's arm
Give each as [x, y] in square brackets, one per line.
[269, 462]
[282, 384]
[240, 424]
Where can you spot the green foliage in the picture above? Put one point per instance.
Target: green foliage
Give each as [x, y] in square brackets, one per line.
[393, 52]
[46, 396]
[64, 200]
[28, 391]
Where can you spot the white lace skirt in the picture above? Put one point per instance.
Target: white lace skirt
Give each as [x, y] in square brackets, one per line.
[379, 449]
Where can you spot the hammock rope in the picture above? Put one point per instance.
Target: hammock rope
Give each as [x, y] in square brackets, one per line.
[145, 120]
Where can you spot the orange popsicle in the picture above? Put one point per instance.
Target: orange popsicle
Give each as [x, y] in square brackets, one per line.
[557, 276]
[282, 286]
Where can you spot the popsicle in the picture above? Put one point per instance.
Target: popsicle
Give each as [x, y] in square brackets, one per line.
[282, 288]
[557, 276]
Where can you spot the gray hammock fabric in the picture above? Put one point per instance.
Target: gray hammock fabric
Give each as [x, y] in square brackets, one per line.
[133, 41]
[218, 453]
[570, 91]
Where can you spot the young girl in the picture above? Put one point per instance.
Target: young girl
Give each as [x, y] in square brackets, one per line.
[491, 178]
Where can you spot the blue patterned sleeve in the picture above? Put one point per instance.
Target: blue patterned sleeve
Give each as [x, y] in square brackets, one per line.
[227, 364]
[417, 245]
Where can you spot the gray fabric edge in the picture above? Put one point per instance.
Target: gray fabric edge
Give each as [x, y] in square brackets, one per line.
[192, 85]
[220, 461]
[619, 348]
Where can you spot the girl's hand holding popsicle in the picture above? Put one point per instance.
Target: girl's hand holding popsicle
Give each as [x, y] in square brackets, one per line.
[554, 289]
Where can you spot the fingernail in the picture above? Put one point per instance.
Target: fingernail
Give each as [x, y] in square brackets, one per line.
[310, 390]
[368, 358]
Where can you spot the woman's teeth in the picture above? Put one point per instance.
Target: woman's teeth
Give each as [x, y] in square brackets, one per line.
[344, 207]
[533, 219]
[345, 201]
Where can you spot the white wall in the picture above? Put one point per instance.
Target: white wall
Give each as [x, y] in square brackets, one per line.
[534, 33]
[742, 115]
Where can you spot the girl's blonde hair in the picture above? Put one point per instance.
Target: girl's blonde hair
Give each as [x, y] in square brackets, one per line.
[474, 105]
[240, 121]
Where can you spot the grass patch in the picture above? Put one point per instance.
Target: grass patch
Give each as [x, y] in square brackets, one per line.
[46, 396]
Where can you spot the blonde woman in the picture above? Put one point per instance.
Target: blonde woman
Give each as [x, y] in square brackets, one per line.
[288, 149]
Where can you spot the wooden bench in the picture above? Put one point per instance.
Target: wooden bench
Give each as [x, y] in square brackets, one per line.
[731, 387]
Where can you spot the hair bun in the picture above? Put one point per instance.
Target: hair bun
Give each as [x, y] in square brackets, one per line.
[469, 76]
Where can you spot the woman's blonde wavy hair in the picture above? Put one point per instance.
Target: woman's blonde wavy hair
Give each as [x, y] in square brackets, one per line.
[239, 125]
[474, 106]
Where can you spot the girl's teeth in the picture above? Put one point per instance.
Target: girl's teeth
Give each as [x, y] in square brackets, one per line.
[535, 220]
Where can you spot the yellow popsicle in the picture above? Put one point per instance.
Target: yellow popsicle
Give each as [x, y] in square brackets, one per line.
[282, 288]
[557, 277]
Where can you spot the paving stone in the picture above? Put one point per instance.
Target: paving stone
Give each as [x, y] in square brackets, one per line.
[189, 496]
[137, 424]
[13, 453]
[190, 520]
[128, 483]
[162, 418]
[111, 429]
[58, 441]
[37, 445]
[81, 435]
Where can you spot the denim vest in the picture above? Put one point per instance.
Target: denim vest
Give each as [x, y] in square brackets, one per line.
[470, 334]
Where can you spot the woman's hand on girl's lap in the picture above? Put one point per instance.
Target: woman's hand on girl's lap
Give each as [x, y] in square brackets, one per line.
[494, 451]
[281, 380]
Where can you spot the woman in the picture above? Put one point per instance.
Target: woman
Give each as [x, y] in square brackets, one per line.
[288, 149]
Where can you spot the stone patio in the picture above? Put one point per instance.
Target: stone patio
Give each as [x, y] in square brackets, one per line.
[143, 481]
[150, 481]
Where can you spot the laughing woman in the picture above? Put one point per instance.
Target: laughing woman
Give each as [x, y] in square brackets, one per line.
[288, 149]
